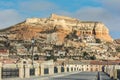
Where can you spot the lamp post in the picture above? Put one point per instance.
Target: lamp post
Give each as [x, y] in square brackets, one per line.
[33, 41]
[8, 45]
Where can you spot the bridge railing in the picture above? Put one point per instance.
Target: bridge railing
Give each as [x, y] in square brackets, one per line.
[113, 71]
[27, 70]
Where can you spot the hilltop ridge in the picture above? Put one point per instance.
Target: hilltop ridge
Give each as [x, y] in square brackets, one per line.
[61, 36]
[60, 25]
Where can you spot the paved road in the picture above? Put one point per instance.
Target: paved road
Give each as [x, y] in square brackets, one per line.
[78, 76]
[46, 77]
[70, 76]
[103, 76]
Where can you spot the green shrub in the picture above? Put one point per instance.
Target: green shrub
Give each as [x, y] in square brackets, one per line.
[98, 41]
[118, 49]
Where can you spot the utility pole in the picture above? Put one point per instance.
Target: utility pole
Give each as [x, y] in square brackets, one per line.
[33, 41]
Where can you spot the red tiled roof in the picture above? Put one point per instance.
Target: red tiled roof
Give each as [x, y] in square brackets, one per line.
[3, 51]
[8, 61]
[109, 62]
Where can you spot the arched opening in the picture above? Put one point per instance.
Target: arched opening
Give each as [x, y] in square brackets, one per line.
[71, 69]
[46, 71]
[67, 69]
[55, 69]
[62, 69]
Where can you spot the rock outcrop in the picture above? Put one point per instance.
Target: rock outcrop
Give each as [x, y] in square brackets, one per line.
[117, 41]
[60, 25]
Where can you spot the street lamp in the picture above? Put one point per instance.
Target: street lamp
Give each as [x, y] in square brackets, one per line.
[33, 41]
[8, 45]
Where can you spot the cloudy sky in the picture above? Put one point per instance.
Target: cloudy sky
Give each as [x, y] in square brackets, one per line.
[106, 11]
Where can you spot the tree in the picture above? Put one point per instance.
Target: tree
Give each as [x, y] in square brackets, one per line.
[85, 55]
[98, 40]
[92, 57]
[51, 57]
[118, 49]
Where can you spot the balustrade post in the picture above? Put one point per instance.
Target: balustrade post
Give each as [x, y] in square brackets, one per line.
[42, 70]
[27, 71]
[115, 74]
[69, 69]
[59, 69]
[51, 69]
[0, 71]
[65, 68]
[21, 70]
[37, 69]
[111, 71]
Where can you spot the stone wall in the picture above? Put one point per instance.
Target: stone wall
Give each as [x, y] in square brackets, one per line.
[58, 17]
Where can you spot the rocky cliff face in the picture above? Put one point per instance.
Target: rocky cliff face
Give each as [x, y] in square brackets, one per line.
[56, 28]
[117, 41]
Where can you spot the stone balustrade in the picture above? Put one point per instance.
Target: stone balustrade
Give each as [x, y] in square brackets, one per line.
[26, 70]
[113, 71]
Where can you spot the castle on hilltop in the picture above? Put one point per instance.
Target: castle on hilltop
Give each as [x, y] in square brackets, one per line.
[59, 36]
[84, 28]
[61, 26]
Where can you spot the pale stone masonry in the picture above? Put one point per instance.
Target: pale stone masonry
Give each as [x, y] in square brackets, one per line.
[0, 71]
[51, 70]
[59, 69]
[21, 70]
[27, 71]
[24, 69]
[37, 69]
[42, 70]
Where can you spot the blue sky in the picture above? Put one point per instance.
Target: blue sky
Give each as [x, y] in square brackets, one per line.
[106, 11]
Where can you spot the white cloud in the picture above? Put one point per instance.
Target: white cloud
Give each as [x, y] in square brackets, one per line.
[9, 17]
[93, 13]
[100, 14]
[112, 5]
[97, 14]
[108, 13]
[25, 9]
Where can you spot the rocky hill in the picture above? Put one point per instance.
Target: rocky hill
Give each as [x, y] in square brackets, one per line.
[58, 27]
[61, 35]
[117, 41]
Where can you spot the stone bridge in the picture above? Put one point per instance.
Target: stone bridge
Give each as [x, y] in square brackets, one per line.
[113, 71]
[26, 70]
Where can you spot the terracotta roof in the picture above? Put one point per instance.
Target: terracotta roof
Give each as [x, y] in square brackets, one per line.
[3, 51]
[8, 61]
[109, 62]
